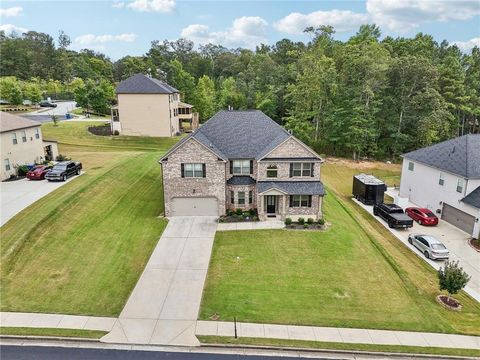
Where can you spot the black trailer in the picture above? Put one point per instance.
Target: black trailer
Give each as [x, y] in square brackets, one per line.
[368, 189]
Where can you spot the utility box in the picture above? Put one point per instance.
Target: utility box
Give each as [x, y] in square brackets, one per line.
[368, 189]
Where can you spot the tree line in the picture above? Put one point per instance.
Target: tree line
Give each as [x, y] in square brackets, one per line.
[364, 97]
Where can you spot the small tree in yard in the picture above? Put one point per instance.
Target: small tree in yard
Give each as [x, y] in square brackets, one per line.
[54, 119]
[452, 277]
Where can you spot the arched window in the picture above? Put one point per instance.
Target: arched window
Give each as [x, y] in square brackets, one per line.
[272, 171]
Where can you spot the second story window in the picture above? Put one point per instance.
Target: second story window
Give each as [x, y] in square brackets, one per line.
[460, 185]
[272, 171]
[14, 139]
[24, 136]
[441, 180]
[301, 169]
[241, 167]
[193, 170]
[411, 166]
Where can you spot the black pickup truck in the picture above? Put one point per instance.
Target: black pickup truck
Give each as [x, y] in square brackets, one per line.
[63, 170]
[393, 215]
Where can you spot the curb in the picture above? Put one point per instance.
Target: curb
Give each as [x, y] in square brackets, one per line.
[333, 351]
[49, 338]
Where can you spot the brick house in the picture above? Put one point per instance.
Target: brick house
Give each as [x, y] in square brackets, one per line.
[242, 159]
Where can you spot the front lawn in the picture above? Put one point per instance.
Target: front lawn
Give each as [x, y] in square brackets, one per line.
[82, 248]
[343, 277]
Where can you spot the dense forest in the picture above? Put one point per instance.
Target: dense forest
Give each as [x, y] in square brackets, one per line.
[366, 97]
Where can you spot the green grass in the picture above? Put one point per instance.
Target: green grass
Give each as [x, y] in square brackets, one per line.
[337, 346]
[22, 331]
[348, 276]
[82, 248]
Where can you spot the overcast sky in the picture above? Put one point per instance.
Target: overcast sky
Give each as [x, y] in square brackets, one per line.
[120, 28]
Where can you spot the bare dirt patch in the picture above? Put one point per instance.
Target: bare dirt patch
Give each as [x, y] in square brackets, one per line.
[362, 164]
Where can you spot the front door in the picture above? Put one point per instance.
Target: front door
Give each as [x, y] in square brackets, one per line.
[271, 204]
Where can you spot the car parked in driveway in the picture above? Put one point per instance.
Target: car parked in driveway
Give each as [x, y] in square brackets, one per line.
[429, 245]
[38, 172]
[393, 215]
[63, 170]
[422, 216]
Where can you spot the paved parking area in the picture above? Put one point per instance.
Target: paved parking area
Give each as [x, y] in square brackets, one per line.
[454, 239]
[163, 307]
[17, 195]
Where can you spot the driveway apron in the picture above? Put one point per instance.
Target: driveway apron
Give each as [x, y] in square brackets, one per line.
[164, 305]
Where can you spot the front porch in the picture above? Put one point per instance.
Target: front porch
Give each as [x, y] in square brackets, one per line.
[275, 205]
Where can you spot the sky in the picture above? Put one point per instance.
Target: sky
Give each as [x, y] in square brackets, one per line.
[118, 28]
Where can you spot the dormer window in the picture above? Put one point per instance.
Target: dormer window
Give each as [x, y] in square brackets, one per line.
[272, 171]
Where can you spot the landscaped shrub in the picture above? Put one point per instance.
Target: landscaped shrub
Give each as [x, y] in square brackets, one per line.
[116, 132]
[239, 212]
[288, 221]
[61, 157]
[22, 170]
[253, 211]
[230, 212]
[301, 221]
[321, 221]
[310, 221]
[305, 226]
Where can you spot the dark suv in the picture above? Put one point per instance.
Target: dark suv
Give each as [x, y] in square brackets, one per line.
[63, 170]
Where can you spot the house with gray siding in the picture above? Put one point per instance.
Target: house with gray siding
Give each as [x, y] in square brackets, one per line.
[445, 178]
[242, 159]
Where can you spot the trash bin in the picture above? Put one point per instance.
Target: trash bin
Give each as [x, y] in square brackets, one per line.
[68, 116]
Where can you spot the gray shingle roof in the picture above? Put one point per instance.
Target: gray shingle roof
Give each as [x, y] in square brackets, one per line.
[142, 84]
[460, 156]
[293, 187]
[473, 198]
[241, 134]
[9, 122]
[240, 180]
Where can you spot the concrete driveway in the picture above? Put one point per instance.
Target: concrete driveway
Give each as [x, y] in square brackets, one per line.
[454, 239]
[163, 307]
[17, 195]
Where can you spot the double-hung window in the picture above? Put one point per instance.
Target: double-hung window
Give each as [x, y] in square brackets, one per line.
[14, 139]
[24, 136]
[441, 180]
[300, 201]
[37, 133]
[301, 169]
[232, 197]
[460, 185]
[241, 198]
[241, 167]
[7, 165]
[193, 170]
[250, 197]
[411, 166]
[272, 171]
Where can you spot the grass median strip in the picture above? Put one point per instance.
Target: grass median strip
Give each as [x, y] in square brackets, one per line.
[320, 345]
[27, 331]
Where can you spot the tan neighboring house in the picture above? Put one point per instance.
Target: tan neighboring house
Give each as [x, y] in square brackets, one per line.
[242, 159]
[148, 107]
[23, 143]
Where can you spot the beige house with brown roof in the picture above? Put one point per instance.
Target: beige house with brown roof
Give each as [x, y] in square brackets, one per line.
[148, 107]
[22, 143]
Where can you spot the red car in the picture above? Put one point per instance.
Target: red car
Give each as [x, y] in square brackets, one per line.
[422, 216]
[38, 173]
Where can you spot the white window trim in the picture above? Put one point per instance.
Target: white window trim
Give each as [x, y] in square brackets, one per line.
[6, 163]
[460, 184]
[303, 167]
[441, 180]
[413, 165]
[238, 197]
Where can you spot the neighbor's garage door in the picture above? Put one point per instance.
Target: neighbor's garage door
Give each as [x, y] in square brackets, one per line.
[458, 218]
[205, 206]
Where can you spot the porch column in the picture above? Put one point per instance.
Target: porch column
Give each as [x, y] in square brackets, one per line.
[284, 206]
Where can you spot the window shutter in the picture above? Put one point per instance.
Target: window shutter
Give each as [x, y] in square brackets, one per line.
[182, 169]
[291, 169]
[251, 166]
[291, 199]
[231, 167]
[313, 166]
[204, 168]
[309, 200]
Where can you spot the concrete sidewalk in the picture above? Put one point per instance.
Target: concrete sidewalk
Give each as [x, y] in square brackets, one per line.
[163, 307]
[56, 321]
[342, 335]
[257, 225]
[454, 239]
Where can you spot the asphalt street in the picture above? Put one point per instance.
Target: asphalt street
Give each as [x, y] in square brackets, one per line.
[8, 352]
[45, 114]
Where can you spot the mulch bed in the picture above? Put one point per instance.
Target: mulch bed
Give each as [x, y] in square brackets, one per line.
[474, 243]
[236, 219]
[103, 130]
[302, 227]
[449, 303]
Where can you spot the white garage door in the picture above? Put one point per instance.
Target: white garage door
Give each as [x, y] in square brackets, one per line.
[200, 206]
[458, 218]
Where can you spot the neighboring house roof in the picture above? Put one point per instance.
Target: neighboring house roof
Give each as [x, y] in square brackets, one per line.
[292, 187]
[143, 84]
[9, 122]
[473, 198]
[184, 105]
[460, 156]
[240, 180]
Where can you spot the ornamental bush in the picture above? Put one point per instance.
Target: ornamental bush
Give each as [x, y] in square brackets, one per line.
[301, 221]
[288, 221]
[239, 212]
[452, 277]
[310, 221]
[321, 221]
